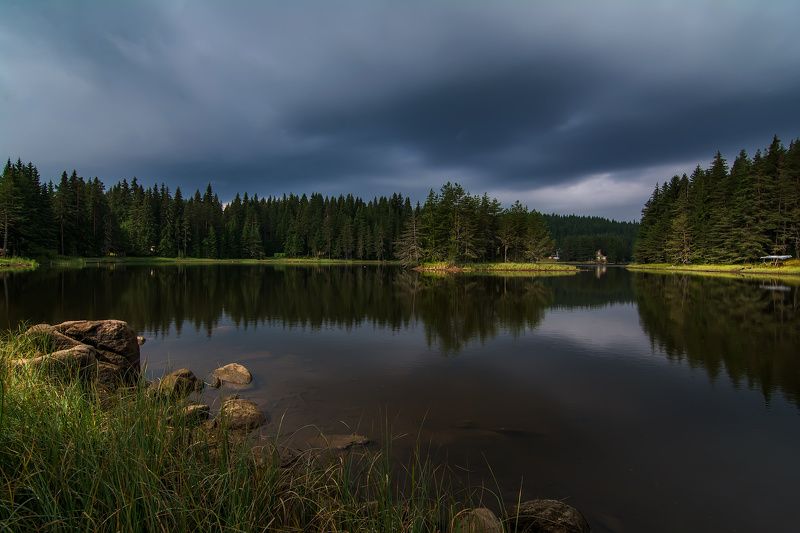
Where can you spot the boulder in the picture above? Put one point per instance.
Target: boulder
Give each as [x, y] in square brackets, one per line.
[113, 339]
[110, 376]
[237, 413]
[77, 361]
[339, 442]
[548, 516]
[479, 520]
[196, 412]
[178, 384]
[48, 339]
[215, 383]
[233, 373]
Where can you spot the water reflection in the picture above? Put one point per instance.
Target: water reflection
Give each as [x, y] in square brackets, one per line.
[749, 331]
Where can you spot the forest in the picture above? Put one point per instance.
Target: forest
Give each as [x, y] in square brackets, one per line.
[726, 214]
[80, 217]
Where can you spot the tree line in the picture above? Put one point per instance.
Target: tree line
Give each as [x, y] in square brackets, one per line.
[75, 216]
[726, 214]
[579, 237]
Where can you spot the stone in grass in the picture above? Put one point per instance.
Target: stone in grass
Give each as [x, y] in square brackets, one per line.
[239, 414]
[548, 516]
[233, 373]
[78, 360]
[196, 412]
[178, 384]
[479, 520]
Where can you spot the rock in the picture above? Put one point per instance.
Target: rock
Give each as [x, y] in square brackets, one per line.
[339, 442]
[179, 383]
[480, 520]
[234, 373]
[548, 516]
[215, 383]
[113, 339]
[140, 340]
[196, 412]
[78, 361]
[237, 413]
[47, 338]
[110, 376]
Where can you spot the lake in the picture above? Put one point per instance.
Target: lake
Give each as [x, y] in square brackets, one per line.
[650, 402]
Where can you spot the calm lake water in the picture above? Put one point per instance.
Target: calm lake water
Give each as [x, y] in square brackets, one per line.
[650, 402]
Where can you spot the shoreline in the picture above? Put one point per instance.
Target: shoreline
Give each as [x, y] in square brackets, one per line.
[450, 268]
[17, 264]
[79, 262]
[79, 431]
[742, 270]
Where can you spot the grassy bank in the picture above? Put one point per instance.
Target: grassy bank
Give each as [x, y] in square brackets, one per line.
[790, 268]
[69, 461]
[10, 264]
[78, 262]
[444, 266]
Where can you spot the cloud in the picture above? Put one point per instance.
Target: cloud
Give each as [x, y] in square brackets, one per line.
[540, 101]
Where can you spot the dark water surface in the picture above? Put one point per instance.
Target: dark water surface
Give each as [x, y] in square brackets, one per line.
[650, 402]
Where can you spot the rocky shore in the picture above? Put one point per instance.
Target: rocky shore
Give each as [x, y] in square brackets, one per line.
[106, 354]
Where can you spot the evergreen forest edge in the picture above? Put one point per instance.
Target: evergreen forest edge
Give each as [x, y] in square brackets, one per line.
[722, 214]
[81, 218]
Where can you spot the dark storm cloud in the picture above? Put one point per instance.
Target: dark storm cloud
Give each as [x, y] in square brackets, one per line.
[571, 106]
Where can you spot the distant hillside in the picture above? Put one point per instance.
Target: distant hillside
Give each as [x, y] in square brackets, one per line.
[579, 237]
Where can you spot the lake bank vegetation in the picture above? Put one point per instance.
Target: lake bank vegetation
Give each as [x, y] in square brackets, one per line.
[790, 268]
[539, 267]
[17, 264]
[82, 450]
[79, 217]
[726, 215]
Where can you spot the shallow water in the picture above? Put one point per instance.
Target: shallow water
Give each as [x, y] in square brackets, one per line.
[651, 402]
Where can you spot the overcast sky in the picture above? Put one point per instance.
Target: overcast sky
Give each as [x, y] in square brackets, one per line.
[568, 106]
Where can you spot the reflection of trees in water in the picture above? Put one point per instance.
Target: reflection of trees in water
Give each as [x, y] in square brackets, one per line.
[749, 330]
[457, 309]
[452, 309]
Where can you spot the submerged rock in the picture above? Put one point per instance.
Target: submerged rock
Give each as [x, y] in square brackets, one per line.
[179, 383]
[233, 373]
[479, 520]
[339, 442]
[548, 516]
[237, 413]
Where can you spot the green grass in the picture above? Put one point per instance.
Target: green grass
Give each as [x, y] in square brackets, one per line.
[71, 461]
[499, 268]
[10, 264]
[79, 262]
[521, 267]
[791, 267]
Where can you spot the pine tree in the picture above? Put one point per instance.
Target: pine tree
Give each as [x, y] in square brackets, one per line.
[538, 244]
[408, 248]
